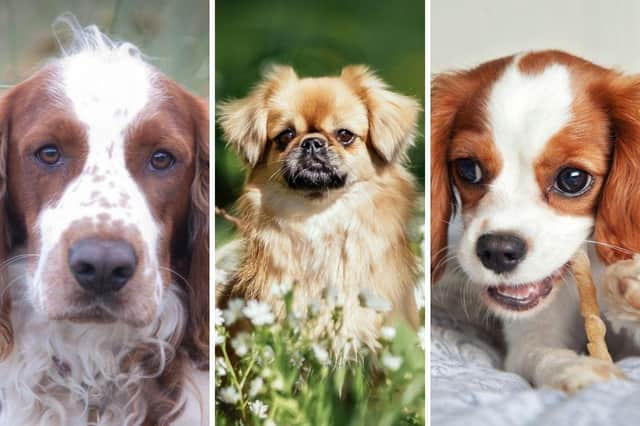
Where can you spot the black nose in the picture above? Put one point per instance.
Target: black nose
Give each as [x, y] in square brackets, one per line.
[313, 145]
[102, 266]
[500, 252]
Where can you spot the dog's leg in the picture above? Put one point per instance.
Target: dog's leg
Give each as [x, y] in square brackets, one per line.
[544, 348]
[620, 293]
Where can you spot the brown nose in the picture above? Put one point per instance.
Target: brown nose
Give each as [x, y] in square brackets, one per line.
[102, 266]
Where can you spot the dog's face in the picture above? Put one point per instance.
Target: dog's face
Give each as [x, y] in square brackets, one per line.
[313, 136]
[525, 144]
[101, 154]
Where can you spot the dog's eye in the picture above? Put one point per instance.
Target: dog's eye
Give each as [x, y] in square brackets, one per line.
[572, 182]
[49, 155]
[285, 137]
[344, 136]
[469, 170]
[161, 160]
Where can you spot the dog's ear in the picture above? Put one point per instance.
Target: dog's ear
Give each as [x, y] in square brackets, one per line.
[617, 227]
[6, 328]
[197, 339]
[244, 121]
[392, 117]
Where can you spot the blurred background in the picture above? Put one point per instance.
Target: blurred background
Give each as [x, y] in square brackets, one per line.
[465, 33]
[316, 37]
[174, 34]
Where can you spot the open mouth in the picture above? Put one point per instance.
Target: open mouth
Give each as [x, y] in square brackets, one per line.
[523, 297]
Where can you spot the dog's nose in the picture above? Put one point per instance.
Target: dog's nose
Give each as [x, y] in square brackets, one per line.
[500, 252]
[102, 266]
[312, 145]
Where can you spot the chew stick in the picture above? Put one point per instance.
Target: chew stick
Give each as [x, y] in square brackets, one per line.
[593, 324]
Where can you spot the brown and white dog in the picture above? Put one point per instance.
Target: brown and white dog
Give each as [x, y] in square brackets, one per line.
[104, 197]
[327, 199]
[534, 156]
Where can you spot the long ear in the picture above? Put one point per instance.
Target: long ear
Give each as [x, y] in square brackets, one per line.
[6, 328]
[244, 121]
[618, 218]
[197, 339]
[448, 93]
[392, 117]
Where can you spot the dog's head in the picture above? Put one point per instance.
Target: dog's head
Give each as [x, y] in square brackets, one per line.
[313, 136]
[104, 172]
[539, 149]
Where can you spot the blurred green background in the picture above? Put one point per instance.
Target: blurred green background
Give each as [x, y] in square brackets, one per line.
[316, 38]
[174, 34]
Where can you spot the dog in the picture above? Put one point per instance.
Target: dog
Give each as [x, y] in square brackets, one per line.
[327, 198]
[104, 200]
[533, 157]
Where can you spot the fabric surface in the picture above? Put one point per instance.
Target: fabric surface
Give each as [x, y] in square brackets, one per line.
[469, 388]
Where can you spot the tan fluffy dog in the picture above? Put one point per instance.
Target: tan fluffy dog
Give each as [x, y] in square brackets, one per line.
[327, 199]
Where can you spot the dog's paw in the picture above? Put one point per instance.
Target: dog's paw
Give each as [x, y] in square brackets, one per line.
[622, 290]
[584, 371]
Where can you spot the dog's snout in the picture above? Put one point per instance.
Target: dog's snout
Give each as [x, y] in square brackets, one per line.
[313, 145]
[102, 266]
[500, 252]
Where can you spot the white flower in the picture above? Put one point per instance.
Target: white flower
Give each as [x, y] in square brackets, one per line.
[221, 275]
[233, 311]
[388, 333]
[277, 384]
[255, 387]
[219, 318]
[391, 362]
[418, 293]
[259, 408]
[221, 369]
[259, 313]
[423, 338]
[268, 354]
[240, 344]
[373, 301]
[320, 353]
[281, 290]
[218, 337]
[269, 422]
[229, 395]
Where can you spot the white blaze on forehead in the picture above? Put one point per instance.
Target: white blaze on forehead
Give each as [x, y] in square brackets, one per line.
[107, 90]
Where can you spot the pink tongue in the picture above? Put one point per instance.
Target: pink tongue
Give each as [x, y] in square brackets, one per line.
[518, 292]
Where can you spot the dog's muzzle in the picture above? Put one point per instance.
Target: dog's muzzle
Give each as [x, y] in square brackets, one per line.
[311, 166]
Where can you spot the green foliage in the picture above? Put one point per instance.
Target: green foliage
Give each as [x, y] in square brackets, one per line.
[316, 37]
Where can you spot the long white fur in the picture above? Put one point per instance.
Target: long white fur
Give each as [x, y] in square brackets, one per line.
[108, 85]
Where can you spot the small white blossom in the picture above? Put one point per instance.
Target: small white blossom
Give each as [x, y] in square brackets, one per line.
[391, 362]
[422, 336]
[269, 422]
[259, 313]
[219, 317]
[419, 294]
[281, 290]
[218, 337]
[240, 344]
[221, 276]
[233, 311]
[320, 353]
[255, 387]
[370, 300]
[268, 354]
[259, 408]
[388, 333]
[221, 369]
[277, 384]
[229, 395]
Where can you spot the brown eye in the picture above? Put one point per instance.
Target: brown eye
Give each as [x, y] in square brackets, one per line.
[162, 160]
[344, 136]
[49, 155]
[285, 137]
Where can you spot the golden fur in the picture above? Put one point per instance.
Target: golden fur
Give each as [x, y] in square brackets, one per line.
[351, 237]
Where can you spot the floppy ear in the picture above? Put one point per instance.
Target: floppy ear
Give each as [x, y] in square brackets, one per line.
[244, 121]
[6, 328]
[392, 117]
[448, 92]
[197, 339]
[618, 218]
